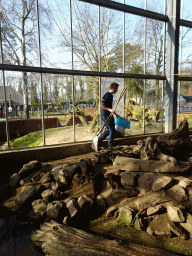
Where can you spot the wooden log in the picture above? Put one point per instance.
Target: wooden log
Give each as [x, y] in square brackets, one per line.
[139, 165]
[57, 239]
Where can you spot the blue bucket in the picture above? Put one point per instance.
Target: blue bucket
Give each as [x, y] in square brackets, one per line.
[120, 121]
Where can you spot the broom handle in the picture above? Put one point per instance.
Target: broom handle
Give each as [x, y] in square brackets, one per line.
[111, 114]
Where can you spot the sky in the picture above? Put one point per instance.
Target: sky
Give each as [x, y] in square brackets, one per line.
[187, 14]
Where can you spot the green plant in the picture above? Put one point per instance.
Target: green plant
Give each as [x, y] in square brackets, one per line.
[29, 140]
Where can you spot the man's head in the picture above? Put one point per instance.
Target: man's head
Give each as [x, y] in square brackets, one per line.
[113, 87]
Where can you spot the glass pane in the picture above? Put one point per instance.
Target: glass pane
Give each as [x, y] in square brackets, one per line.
[57, 99]
[85, 36]
[19, 27]
[156, 5]
[138, 4]
[86, 107]
[153, 106]
[111, 40]
[185, 103]
[187, 10]
[186, 57]
[24, 124]
[154, 47]
[133, 44]
[152, 5]
[56, 34]
[134, 106]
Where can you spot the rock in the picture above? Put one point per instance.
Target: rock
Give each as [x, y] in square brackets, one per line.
[67, 220]
[38, 176]
[72, 207]
[126, 215]
[84, 202]
[123, 192]
[14, 180]
[175, 214]
[28, 194]
[178, 230]
[56, 210]
[106, 189]
[145, 182]
[28, 178]
[154, 209]
[159, 225]
[183, 182]
[178, 193]
[161, 182]
[62, 175]
[189, 190]
[39, 207]
[150, 231]
[48, 177]
[153, 166]
[57, 186]
[49, 195]
[97, 184]
[101, 203]
[111, 211]
[163, 233]
[114, 180]
[87, 168]
[29, 168]
[129, 179]
[188, 223]
[138, 225]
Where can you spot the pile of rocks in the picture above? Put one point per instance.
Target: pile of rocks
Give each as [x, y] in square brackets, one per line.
[163, 206]
[143, 200]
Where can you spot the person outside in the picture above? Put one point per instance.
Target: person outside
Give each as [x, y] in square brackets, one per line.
[106, 109]
[10, 111]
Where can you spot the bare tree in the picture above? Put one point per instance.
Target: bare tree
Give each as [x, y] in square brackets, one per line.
[21, 20]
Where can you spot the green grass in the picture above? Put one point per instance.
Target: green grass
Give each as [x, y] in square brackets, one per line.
[29, 140]
[33, 139]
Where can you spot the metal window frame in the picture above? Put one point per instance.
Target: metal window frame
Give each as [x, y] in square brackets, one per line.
[124, 9]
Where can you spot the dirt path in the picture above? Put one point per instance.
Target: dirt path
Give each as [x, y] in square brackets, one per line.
[66, 136]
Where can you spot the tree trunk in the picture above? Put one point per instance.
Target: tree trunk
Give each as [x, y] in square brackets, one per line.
[24, 74]
[139, 165]
[94, 122]
[57, 239]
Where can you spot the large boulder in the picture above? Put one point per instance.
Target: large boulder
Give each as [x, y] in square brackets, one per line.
[49, 195]
[177, 193]
[65, 175]
[29, 168]
[161, 182]
[40, 207]
[129, 179]
[14, 180]
[56, 210]
[126, 215]
[175, 214]
[28, 194]
[188, 223]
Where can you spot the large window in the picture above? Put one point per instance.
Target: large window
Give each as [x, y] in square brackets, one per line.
[59, 57]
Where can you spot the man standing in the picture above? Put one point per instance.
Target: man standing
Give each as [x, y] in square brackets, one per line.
[10, 111]
[106, 109]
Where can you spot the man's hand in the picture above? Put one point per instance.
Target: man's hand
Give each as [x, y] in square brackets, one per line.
[112, 110]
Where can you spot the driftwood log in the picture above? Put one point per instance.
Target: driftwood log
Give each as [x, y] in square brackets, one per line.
[57, 239]
[139, 165]
[148, 150]
[178, 143]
